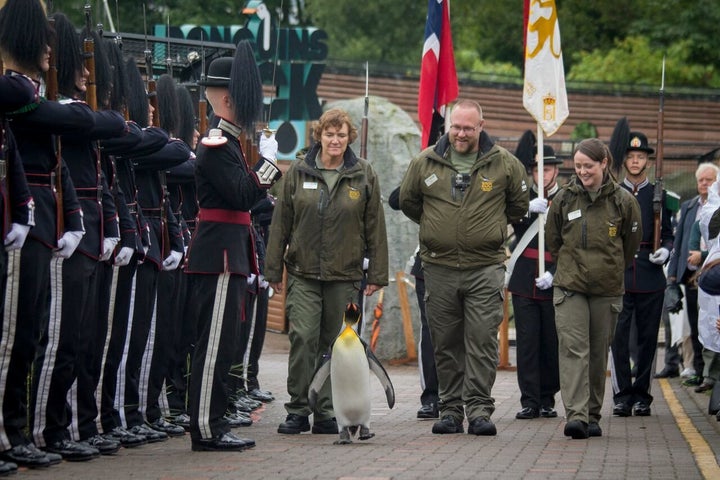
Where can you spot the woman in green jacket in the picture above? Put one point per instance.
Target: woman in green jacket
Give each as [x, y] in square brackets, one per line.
[593, 231]
[327, 219]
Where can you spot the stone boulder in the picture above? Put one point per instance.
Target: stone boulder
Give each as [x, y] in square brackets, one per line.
[393, 140]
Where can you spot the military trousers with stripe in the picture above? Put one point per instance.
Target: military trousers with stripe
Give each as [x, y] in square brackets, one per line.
[219, 301]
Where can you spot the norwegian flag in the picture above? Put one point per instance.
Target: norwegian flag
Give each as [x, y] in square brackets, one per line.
[438, 78]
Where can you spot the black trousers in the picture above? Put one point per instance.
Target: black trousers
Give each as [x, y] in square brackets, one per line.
[691, 304]
[537, 351]
[183, 344]
[219, 300]
[259, 326]
[428, 373]
[18, 352]
[113, 377]
[168, 327]
[646, 308]
[136, 366]
[90, 367]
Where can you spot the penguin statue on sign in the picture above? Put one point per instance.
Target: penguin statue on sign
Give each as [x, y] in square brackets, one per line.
[348, 364]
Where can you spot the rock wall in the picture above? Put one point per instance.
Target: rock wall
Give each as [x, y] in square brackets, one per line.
[393, 140]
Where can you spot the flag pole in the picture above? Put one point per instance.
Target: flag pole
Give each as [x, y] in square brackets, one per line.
[541, 195]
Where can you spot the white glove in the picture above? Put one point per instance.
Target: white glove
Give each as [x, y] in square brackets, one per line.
[172, 261]
[538, 205]
[268, 147]
[67, 244]
[262, 283]
[15, 238]
[123, 257]
[251, 279]
[544, 281]
[659, 256]
[108, 247]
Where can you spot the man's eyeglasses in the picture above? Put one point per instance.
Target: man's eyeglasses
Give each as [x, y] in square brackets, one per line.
[465, 130]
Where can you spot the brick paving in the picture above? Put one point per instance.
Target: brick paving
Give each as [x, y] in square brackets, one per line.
[403, 447]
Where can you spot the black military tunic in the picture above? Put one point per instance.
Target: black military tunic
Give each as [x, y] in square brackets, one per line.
[220, 258]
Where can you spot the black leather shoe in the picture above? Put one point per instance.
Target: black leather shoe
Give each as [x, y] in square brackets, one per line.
[641, 409]
[548, 412]
[238, 419]
[294, 424]
[261, 395]
[576, 429]
[26, 456]
[162, 425]
[448, 424]
[527, 413]
[622, 409]
[72, 451]
[7, 468]
[152, 436]
[103, 445]
[703, 387]
[54, 458]
[482, 426]
[227, 442]
[247, 402]
[125, 438]
[428, 411]
[325, 427]
[594, 430]
[183, 420]
[668, 372]
[693, 381]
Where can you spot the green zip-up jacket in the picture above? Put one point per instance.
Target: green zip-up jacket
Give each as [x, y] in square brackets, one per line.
[592, 242]
[464, 229]
[324, 236]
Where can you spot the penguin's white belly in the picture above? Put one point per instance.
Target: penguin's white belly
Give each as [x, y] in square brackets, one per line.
[350, 375]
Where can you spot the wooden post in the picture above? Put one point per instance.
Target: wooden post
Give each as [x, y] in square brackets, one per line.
[406, 318]
[504, 336]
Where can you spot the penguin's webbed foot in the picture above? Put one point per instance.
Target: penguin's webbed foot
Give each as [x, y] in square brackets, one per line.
[365, 433]
[344, 437]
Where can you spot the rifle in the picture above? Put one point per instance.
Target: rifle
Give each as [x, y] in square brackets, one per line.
[202, 102]
[658, 192]
[364, 135]
[150, 79]
[51, 93]
[89, 51]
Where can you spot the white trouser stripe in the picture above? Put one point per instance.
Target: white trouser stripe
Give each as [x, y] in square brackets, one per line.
[208, 371]
[122, 368]
[7, 341]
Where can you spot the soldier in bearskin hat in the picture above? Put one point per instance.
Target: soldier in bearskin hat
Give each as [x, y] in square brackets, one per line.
[25, 36]
[68, 338]
[537, 343]
[221, 256]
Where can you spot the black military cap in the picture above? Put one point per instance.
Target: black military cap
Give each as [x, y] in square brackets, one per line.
[549, 157]
[638, 141]
[218, 74]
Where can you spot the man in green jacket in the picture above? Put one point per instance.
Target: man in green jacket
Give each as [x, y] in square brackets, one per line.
[463, 192]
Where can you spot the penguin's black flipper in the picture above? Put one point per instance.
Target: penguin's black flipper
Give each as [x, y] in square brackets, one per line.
[382, 375]
[321, 374]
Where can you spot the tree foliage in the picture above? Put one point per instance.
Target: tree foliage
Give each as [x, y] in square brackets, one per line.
[488, 34]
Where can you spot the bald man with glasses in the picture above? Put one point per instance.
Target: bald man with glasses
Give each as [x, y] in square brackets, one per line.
[463, 192]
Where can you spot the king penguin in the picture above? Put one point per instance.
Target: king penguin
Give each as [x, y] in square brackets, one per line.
[348, 364]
